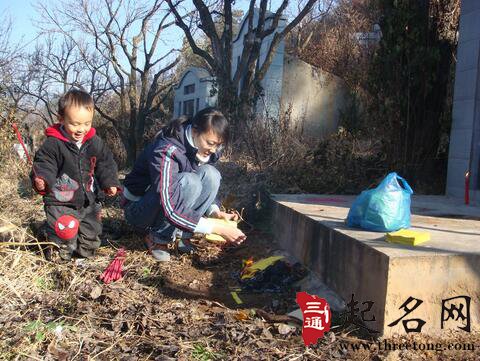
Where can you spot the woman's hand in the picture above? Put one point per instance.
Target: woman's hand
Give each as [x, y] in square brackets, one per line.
[226, 216]
[231, 234]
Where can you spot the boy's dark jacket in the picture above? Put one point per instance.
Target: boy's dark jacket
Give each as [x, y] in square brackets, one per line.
[158, 166]
[69, 171]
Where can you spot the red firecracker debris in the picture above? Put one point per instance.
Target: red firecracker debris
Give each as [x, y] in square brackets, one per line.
[114, 270]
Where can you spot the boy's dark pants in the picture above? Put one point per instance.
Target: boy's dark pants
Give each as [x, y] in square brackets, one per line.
[90, 227]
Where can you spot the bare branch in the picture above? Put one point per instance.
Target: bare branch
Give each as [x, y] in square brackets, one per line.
[186, 29]
[280, 36]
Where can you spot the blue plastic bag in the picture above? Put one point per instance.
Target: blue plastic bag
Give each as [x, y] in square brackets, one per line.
[383, 209]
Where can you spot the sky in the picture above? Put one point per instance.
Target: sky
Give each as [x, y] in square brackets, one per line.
[24, 16]
[21, 13]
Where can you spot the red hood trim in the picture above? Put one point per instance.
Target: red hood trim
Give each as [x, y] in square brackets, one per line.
[56, 132]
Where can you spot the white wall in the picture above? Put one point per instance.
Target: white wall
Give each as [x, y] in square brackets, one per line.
[316, 97]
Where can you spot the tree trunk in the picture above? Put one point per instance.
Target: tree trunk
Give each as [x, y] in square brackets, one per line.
[130, 146]
[140, 129]
[227, 96]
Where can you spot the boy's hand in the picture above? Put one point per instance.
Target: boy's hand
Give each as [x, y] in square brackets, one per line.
[226, 216]
[39, 184]
[111, 191]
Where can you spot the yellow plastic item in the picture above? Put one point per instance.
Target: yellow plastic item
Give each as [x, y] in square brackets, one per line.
[215, 237]
[408, 237]
[249, 271]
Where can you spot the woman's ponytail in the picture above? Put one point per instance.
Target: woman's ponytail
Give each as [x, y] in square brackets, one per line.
[174, 128]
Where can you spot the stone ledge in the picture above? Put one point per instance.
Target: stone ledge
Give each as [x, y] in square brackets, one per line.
[352, 261]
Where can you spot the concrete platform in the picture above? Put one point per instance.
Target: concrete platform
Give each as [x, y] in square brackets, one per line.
[353, 261]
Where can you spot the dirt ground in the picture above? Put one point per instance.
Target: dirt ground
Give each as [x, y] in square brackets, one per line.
[181, 310]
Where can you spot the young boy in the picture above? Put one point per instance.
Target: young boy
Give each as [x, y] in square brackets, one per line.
[69, 169]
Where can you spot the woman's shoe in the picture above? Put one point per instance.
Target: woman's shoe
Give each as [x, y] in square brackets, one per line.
[158, 250]
[185, 246]
[160, 256]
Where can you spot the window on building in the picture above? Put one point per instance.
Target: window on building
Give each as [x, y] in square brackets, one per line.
[198, 104]
[179, 109]
[189, 107]
[189, 89]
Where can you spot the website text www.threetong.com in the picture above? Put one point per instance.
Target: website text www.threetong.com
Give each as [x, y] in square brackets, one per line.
[415, 346]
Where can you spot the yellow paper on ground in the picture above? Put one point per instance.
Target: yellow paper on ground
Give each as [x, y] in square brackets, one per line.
[408, 237]
[260, 265]
[215, 237]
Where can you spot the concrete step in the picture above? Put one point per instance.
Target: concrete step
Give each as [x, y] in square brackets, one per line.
[361, 263]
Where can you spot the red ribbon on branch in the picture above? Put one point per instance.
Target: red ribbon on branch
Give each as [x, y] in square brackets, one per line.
[467, 188]
[20, 139]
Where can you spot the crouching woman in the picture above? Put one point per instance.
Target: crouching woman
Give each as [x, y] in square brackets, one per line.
[173, 186]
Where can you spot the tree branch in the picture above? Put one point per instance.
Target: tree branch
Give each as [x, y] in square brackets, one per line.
[195, 48]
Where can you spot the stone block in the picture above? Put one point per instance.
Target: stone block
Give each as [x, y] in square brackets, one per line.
[361, 263]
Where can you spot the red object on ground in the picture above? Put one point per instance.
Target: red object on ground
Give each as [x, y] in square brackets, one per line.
[114, 270]
[467, 187]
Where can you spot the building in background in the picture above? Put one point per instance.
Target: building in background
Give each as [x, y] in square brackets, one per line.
[194, 92]
[311, 96]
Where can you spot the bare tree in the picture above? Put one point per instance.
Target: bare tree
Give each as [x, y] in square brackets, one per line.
[237, 89]
[10, 101]
[119, 43]
[302, 36]
[50, 70]
[331, 42]
[8, 51]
